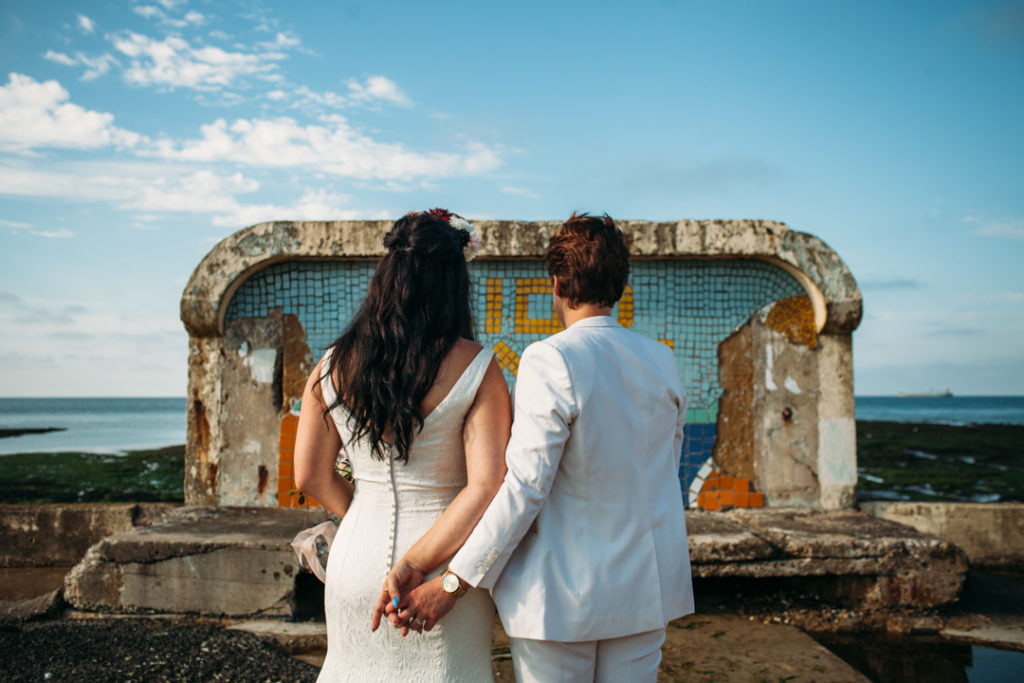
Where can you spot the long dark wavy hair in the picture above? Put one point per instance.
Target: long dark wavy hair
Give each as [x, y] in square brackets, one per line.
[416, 307]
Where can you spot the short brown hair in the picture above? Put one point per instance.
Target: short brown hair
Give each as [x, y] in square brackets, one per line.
[590, 258]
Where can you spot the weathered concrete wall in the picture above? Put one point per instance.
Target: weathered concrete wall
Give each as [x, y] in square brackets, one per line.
[246, 374]
[786, 414]
[251, 410]
[992, 534]
[834, 293]
[59, 534]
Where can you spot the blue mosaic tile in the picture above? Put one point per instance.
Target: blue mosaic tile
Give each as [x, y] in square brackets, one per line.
[691, 304]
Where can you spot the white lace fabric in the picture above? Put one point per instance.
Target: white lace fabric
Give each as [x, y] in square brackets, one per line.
[393, 506]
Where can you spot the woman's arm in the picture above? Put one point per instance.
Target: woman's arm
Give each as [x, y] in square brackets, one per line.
[485, 435]
[316, 450]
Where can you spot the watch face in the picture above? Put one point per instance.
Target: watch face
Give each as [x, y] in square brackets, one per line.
[450, 583]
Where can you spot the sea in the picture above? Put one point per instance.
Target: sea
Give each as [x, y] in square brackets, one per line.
[117, 425]
[92, 425]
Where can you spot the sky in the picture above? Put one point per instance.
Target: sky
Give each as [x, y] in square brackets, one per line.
[135, 135]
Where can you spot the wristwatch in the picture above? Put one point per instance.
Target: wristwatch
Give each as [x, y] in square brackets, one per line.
[450, 583]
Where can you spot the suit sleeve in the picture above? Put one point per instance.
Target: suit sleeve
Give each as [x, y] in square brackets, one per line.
[545, 408]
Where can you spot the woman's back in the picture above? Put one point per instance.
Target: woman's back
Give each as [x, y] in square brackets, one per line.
[436, 457]
[394, 504]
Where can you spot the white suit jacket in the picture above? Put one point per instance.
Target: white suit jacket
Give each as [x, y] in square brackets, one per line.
[586, 538]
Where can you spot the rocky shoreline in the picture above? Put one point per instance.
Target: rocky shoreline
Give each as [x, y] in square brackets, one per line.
[30, 430]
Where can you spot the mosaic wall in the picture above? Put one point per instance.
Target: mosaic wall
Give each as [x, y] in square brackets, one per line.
[690, 305]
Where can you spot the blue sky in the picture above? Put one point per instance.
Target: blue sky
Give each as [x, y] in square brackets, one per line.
[135, 135]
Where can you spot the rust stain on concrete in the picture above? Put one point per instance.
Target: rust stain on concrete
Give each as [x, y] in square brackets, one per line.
[262, 475]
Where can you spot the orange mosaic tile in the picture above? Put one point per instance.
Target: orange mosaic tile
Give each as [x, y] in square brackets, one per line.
[525, 287]
[625, 307]
[288, 494]
[493, 303]
[507, 358]
[724, 492]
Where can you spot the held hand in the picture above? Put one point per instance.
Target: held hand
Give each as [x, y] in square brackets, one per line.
[402, 578]
[424, 607]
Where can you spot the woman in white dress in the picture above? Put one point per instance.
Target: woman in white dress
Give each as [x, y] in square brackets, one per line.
[423, 414]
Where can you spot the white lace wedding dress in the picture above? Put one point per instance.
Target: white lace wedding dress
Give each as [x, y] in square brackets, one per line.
[393, 506]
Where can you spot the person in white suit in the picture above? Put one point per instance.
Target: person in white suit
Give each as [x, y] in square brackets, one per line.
[584, 545]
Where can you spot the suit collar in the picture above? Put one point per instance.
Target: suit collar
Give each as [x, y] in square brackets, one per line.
[595, 321]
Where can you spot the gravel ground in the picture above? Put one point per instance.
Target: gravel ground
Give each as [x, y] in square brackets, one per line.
[141, 650]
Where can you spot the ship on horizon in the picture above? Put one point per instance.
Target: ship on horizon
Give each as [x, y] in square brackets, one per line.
[945, 393]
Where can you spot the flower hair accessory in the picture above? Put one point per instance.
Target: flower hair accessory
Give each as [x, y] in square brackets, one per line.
[473, 243]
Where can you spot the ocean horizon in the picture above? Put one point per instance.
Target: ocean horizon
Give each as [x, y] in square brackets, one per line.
[120, 424]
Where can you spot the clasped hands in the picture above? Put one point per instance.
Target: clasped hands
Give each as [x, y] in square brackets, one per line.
[420, 603]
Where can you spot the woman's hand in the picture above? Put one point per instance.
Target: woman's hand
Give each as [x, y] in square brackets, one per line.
[402, 578]
[424, 607]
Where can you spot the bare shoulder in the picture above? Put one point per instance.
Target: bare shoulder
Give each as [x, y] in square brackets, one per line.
[467, 347]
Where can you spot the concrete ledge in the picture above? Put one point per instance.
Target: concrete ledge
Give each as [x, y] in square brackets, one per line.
[55, 534]
[237, 562]
[992, 534]
[864, 558]
[829, 283]
[208, 561]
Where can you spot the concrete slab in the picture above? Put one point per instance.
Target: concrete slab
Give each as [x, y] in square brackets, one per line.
[992, 534]
[208, 561]
[892, 563]
[1006, 637]
[237, 561]
[305, 640]
[714, 538]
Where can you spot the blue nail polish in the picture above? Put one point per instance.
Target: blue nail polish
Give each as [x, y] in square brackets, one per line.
[394, 601]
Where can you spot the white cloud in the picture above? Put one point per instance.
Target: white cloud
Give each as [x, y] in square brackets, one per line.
[34, 114]
[152, 189]
[334, 148]
[282, 40]
[303, 95]
[85, 23]
[60, 58]
[377, 88]
[173, 62]
[59, 234]
[148, 11]
[191, 17]
[1009, 228]
[521, 191]
[95, 66]
[200, 192]
[82, 183]
[316, 205]
[17, 226]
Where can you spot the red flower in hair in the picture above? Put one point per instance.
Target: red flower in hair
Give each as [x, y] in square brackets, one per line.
[443, 214]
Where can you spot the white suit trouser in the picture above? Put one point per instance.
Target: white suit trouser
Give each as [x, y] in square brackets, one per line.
[629, 659]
